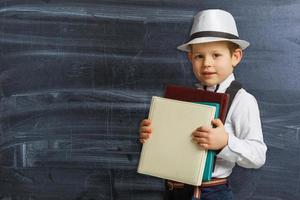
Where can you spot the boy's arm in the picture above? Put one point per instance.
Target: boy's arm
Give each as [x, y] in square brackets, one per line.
[245, 139]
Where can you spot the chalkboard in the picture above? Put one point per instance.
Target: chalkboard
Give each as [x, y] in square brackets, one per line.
[76, 79]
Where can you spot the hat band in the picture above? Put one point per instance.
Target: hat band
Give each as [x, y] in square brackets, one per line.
[213, 34]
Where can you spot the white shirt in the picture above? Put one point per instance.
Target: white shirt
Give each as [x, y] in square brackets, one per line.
[246, 146]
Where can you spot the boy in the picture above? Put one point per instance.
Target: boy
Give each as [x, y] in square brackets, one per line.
[214, 49]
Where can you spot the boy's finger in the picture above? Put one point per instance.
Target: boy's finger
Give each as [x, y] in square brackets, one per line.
[144, 135]
[203, 129]
[203, 145]
[217, 122]
[142, 141]
[200, 134]
[146, 122]
[200, 140]
[145, 129]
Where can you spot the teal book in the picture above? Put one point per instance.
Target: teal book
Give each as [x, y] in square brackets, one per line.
[209, 164]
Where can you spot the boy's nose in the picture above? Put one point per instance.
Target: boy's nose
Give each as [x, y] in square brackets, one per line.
[207, 62]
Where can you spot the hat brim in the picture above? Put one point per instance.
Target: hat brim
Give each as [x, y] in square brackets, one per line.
[187, 46]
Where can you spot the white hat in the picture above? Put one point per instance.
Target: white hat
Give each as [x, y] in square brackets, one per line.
[213, 25]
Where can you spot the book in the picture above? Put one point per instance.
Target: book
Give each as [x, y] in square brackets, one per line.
[195, 95]
[170, 152]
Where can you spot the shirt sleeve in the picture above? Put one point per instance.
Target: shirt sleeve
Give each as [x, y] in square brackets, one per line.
[245, 138]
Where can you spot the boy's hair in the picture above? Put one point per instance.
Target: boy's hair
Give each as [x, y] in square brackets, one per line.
[232, 47]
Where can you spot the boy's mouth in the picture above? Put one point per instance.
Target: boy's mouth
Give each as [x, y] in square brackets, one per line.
[208, 73]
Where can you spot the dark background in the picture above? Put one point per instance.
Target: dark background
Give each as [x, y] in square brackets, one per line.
[76, 78]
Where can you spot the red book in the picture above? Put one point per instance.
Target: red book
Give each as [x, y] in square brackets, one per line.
[195, 95]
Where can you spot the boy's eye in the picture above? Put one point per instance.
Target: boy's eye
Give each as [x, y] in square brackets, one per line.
[216, 55]
[198, 56]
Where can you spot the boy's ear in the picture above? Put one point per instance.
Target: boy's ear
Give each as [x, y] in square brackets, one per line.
[190, 56]
[237, 56]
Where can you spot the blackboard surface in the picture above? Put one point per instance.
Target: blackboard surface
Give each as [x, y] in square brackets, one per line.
[76, 78]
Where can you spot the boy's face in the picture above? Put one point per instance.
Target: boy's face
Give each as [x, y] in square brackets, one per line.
[213, 62]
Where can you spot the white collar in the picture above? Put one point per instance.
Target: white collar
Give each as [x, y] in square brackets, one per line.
[223, 86]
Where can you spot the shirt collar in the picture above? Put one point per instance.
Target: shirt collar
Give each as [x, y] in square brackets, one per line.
[223, 86]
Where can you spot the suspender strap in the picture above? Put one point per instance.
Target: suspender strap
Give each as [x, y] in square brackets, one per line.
[234, 87]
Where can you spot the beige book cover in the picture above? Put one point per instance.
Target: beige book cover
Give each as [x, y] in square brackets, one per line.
[169, 153]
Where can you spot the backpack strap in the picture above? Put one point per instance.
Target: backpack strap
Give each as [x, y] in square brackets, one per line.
[234, 87]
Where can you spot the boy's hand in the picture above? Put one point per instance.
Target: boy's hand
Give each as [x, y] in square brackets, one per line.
[211, 138]
[145, 130]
